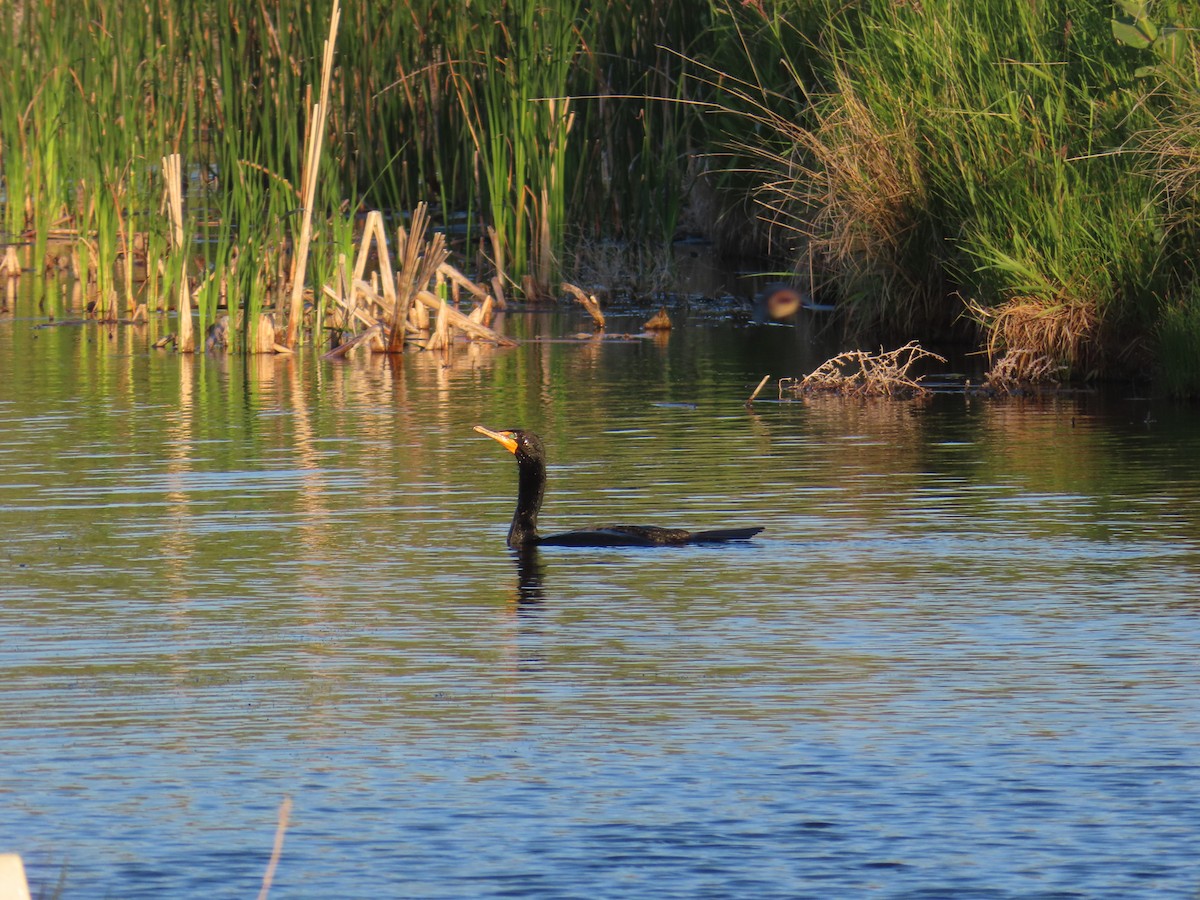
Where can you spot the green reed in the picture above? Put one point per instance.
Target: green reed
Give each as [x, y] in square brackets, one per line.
[922, 154]
[466, 109]
[514, 98]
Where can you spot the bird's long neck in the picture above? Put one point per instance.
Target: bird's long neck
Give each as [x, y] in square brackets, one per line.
[531, 485]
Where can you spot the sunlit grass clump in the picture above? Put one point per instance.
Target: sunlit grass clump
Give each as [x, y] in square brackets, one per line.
[926, 155]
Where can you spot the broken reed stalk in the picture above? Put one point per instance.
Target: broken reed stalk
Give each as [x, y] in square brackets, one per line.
[450, 273]
[373, 231]
[464, 323]
[456, 319]
[285, 812]
[419, 263]
[346, 348]
[758, 390]
[482, 313]
[440, 339]
[312, 159]
[173, 173]
[11, 266]
[589, 302]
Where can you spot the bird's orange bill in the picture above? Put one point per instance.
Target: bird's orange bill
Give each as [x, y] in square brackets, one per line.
[503, 438]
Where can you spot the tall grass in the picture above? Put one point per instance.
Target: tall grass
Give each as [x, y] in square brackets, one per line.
[1032, 161]
[943, 152]
[514, 98]
[469, 109]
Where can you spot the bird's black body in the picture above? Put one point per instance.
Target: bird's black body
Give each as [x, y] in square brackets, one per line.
[531, 488]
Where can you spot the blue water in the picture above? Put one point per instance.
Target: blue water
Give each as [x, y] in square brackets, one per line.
[959, 662]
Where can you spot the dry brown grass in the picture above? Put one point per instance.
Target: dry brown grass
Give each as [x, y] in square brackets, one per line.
[857, 373]
[1018, 371]
[1025, 330]
[848, 188]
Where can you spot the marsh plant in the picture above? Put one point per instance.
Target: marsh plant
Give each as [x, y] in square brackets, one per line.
[926, 155]
[471, 111]
[1006, 172]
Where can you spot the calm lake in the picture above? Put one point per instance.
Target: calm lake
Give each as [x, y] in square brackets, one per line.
[960, 662]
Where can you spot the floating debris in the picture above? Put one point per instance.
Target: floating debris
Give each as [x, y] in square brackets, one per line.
[857, 373]
[660, 321]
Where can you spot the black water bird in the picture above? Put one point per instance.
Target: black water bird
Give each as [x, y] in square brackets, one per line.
[531, 487]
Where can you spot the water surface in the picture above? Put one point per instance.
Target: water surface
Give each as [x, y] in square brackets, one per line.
[959, 662]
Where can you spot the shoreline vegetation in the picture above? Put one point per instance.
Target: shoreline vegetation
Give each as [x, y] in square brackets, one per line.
[1022, 177]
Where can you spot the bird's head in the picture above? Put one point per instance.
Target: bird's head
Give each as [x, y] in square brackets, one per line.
[524, 445]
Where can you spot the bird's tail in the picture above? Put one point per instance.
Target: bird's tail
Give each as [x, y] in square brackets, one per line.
[723, 534]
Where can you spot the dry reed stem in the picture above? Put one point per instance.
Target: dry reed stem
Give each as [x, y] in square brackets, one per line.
[430, 301]
[264, 336]
[285, 812]
[460, 280]
[11, 267]
[464, 323]
[419, 263]
[373, 232]
[440, 339]
[857, 373]
[347, 347]
[312, 158]
[588, 301]
[418, 317]
[173, 173]
[349, 305]
[758, 390]
[482, 314]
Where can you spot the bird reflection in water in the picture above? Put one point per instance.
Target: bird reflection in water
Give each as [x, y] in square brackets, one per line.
[530, 569]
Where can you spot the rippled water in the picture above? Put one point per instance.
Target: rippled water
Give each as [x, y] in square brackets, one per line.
[960, 661]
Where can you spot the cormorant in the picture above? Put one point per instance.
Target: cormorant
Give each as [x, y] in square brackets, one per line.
[531, 486]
